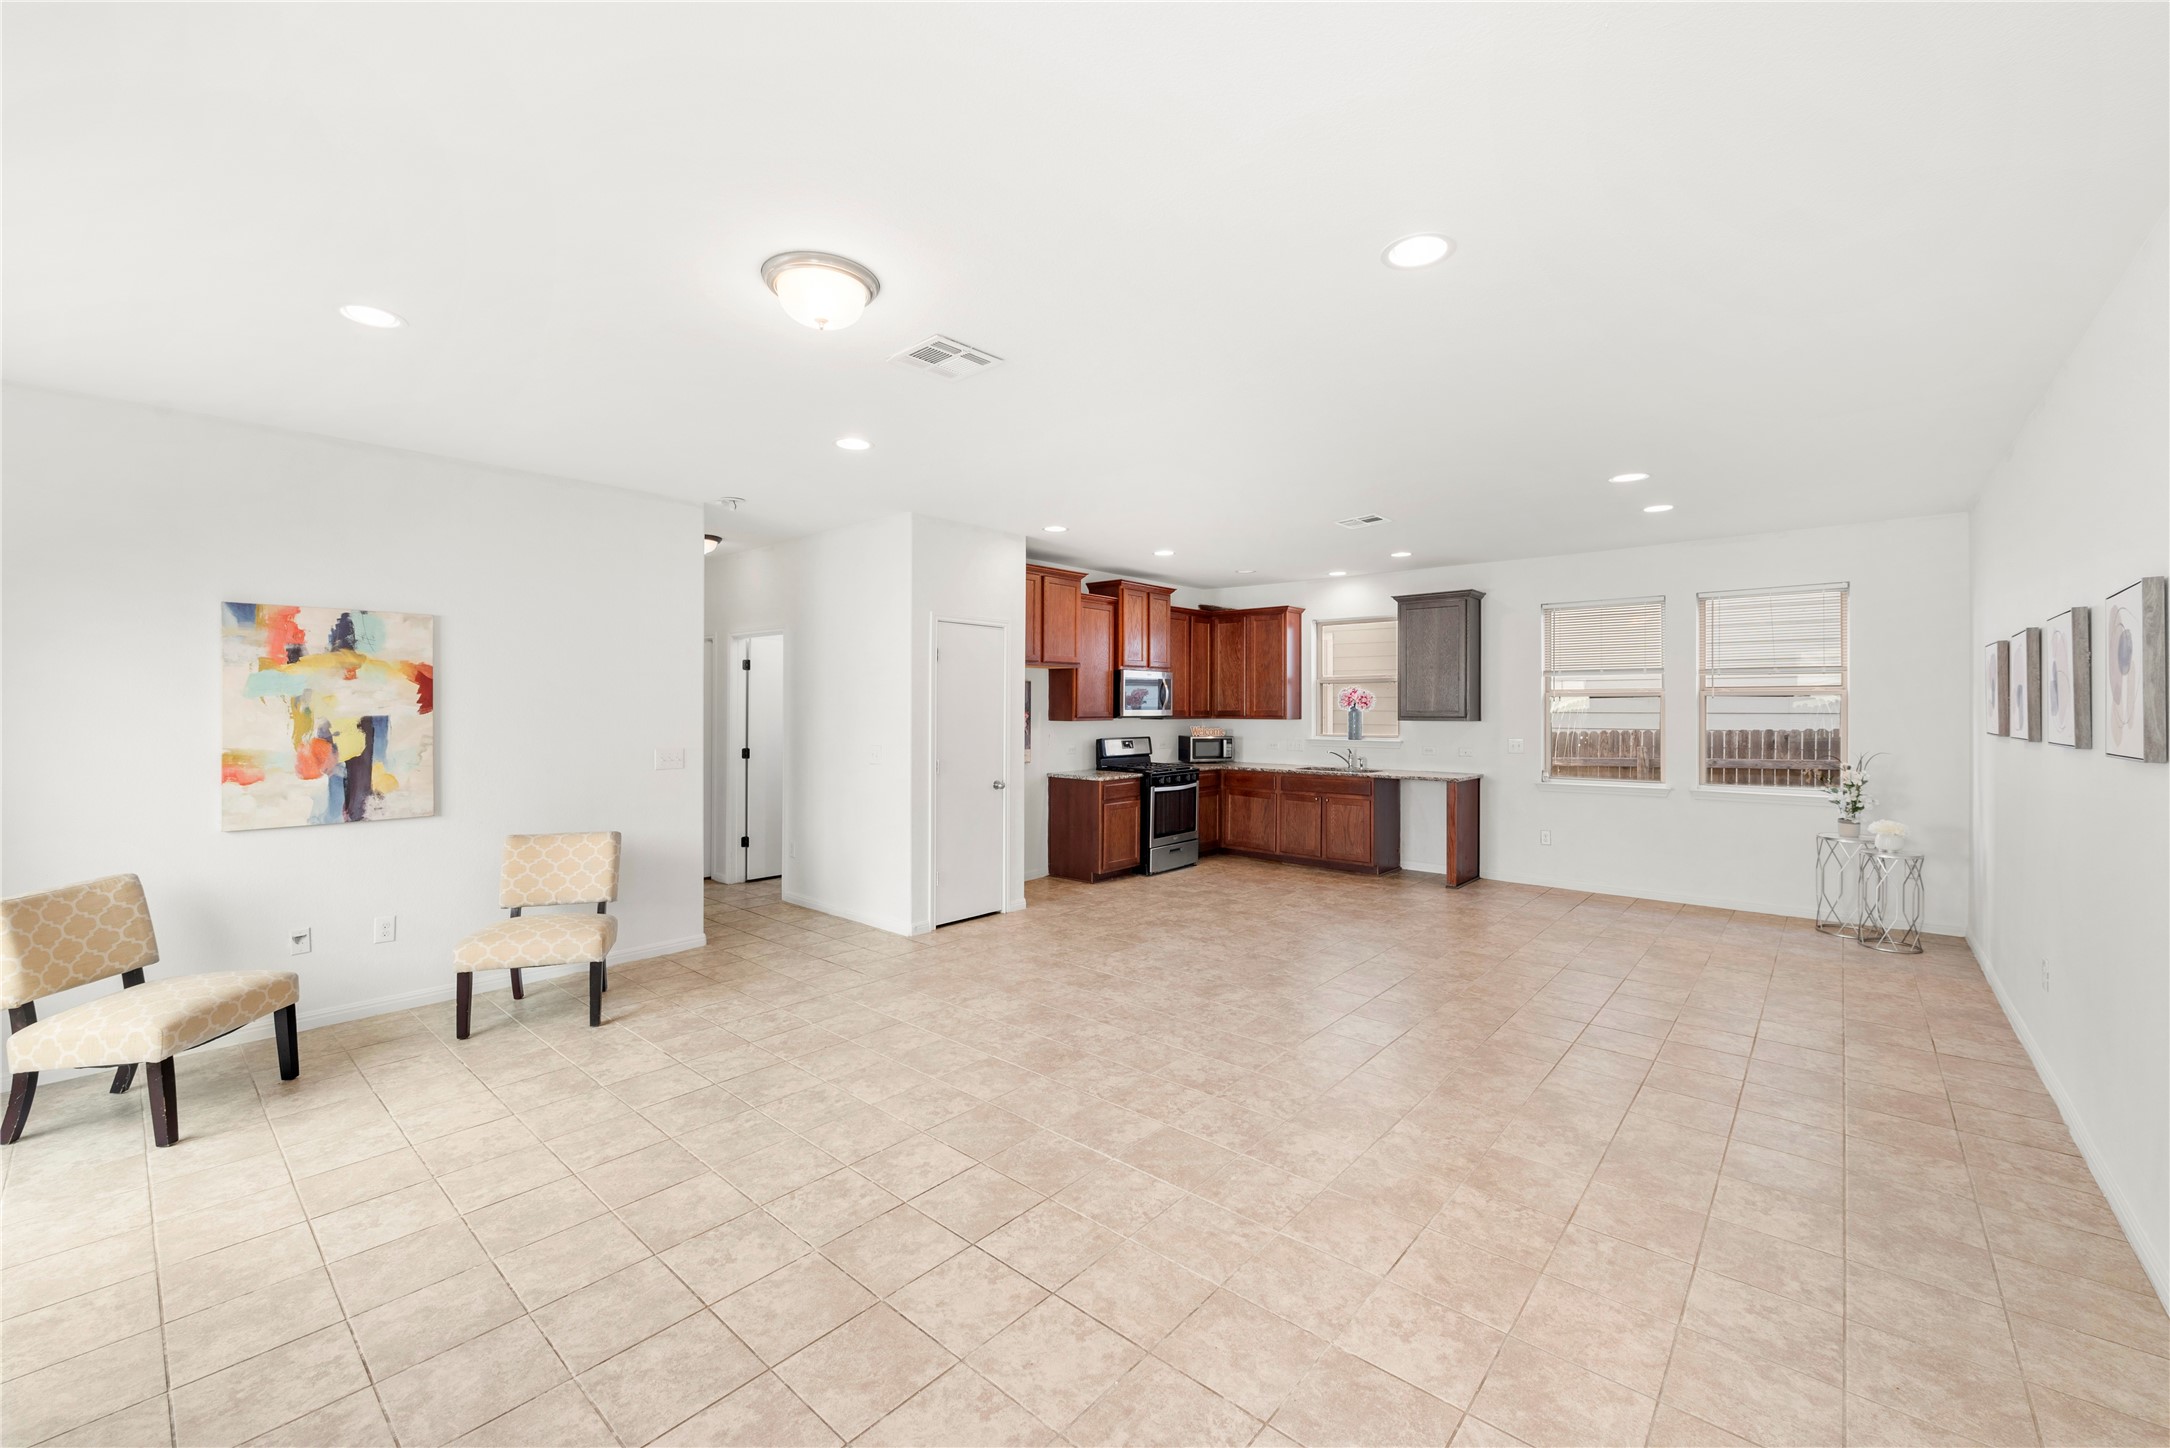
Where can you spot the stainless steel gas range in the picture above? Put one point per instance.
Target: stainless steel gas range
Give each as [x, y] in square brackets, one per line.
[1170, 816]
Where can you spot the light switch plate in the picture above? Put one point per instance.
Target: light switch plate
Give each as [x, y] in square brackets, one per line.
[1514, 746]
[670, 759]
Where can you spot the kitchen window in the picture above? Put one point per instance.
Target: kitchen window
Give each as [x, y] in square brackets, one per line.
[1359, 652]
[1772, 677]
[1604, 671]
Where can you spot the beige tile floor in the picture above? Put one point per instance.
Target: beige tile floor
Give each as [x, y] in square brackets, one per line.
[1249, 1154]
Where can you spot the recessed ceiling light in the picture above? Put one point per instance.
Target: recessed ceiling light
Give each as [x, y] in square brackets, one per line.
[1164, 553]
[853, 444]
[1339, 573]
[1403, 554]
[1628, 478]
[1055, 528]
[819, 290]
[370, 316]
[1246, 570]
[1416, 251]
[1659, 508]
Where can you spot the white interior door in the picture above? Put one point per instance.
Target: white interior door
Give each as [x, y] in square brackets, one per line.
[763, 827]
[971, 783]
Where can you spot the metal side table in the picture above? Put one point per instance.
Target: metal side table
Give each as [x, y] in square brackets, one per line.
[1837, 877]
[1892, 897]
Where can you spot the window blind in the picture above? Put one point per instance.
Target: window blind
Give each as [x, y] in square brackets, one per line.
[1615, 645]
[1785, 638]
[1358, 650]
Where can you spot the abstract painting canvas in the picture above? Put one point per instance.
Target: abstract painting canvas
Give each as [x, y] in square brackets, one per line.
[328, 715]
[2067, 679]
[2133, 660]
[2026, 668]
[1997, 686]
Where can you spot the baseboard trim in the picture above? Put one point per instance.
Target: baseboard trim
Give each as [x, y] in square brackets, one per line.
[829, 907]
[309, 1020]
[2150, 1253]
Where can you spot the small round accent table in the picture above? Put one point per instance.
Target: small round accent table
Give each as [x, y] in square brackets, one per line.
[1836, 872]
[1891, 896]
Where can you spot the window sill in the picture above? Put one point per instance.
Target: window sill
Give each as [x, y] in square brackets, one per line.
[1773, 794]
[1650, 788]
[1361, 744]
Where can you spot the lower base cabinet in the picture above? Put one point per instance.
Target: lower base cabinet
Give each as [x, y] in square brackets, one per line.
[1347, 822]
[1094, 827]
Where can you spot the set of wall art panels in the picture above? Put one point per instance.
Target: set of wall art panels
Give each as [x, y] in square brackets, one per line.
[2039, 683]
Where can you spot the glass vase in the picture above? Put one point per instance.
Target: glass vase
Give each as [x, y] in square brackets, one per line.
[1356, 723]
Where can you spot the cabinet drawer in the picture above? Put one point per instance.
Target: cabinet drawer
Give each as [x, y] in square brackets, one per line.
[1114, 789]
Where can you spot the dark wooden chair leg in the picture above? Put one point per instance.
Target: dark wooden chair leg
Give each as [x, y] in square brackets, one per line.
[22, 1089]
[465, 990]
[286, 1026]
[606, 973]
[165, 1115]
[519, 990]
[123, 1078]
[595, 992]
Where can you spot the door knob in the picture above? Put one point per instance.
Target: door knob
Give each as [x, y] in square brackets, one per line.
[1000, 785]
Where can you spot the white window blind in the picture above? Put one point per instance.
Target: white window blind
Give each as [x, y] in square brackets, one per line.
[1604, 670]
[1772, 686]
[1362, 652]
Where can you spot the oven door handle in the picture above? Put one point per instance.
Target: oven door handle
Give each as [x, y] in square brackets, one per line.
[1172, 788]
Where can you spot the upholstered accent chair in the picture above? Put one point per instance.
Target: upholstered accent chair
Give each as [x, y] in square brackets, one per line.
[573, 869]
[58, 939]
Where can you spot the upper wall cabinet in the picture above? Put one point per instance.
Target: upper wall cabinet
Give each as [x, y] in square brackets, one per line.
[1252, 663]
[1441, 651]
[1087, 691]
[1144, 622]
[1051, 599]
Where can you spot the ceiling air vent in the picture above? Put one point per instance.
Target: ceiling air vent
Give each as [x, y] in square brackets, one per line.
[947, 358]
[1364, 520]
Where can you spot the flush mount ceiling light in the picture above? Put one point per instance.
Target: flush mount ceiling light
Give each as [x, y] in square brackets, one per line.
[1246, 570]
[1423, 249]
[710, 542]
[853, 444]
[1404, 553]
[1054, 528]
[818, 290]
[1164, 553]
[1629, 478]
[370, 316]
[1339, 573]
[1659, 508]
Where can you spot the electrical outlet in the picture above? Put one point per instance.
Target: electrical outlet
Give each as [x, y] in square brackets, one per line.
[297, 941]
[1465, 751]
[1544, 837]
[1514, 746]
[386, 931]
[1429, 751]
[670, 759]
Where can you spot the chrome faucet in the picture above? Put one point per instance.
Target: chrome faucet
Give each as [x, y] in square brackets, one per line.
[1350, 760]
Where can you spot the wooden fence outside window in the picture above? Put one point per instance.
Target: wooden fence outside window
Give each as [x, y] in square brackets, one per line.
[1776, 758]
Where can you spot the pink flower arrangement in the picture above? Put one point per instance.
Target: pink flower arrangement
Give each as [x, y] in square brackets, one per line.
[1355, 698]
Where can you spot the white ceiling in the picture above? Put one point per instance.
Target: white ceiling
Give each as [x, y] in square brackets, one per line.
[1803, 264]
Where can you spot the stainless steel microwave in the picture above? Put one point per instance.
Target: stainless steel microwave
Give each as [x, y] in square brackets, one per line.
[1145, 694]
[1210, 749]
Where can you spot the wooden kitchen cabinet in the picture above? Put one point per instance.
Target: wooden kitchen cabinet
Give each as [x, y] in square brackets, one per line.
[1094, 827]
[1273, 652]
[1143, 621]
[1230, 688]
[1051, 616]
[1441, 649]
[1349, 822]
[1201, 665]
[1087, 691]
[1209, 811]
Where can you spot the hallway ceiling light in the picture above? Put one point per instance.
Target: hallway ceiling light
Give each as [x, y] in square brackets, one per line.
[819, 290]
[1403, 554]
[1054, 528]
[1339, 573]
[1415, 251]
[710, 542]
[1629, 478]
[370, 316]
[853, 444]
[1246, 570]
[1164, 553]
[1659, 508]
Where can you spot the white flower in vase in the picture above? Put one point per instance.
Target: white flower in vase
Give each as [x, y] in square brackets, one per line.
[1890, 835]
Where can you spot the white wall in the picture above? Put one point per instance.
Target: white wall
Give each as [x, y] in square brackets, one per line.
[857, 607]
[1910, 696]
[568, 651]
[2072, 871]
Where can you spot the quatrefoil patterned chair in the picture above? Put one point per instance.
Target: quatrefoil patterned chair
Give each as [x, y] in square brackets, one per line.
[58, 939]
[572, 869]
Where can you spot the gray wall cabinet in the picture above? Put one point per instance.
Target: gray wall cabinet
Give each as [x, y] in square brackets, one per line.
[1441, 648]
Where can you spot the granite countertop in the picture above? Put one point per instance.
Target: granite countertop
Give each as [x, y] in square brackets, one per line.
[1438, 775]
